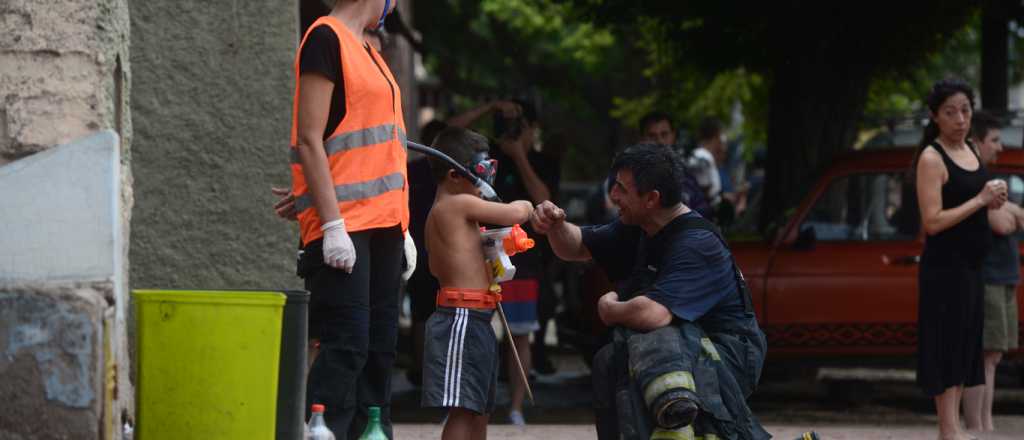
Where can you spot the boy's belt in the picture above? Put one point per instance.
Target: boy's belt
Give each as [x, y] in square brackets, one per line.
[468, 298]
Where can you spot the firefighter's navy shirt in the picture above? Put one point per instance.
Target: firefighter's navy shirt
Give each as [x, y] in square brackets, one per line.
[691, 269]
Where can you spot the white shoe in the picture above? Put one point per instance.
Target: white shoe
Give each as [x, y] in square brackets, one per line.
[516, 418]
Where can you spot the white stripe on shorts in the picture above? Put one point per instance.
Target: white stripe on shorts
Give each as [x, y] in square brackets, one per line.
[462, 345]
[448, 360]
[453, 363]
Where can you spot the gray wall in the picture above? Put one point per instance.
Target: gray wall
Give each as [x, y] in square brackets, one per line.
[211, 109]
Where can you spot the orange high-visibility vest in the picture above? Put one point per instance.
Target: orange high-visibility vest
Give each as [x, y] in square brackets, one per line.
[367, 152]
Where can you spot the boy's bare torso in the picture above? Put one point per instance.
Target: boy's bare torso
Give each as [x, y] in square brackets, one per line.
[454, 246]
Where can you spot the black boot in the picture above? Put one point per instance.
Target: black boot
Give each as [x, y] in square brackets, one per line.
[675, 409]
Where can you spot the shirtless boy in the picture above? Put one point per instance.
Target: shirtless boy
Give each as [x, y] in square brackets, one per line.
[460, 361]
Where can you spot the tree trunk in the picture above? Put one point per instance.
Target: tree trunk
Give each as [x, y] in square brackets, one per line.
[995, 51]
[816, 101]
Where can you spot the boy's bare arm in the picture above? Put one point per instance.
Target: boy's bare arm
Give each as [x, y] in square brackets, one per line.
[1004, 220]
[492, 213]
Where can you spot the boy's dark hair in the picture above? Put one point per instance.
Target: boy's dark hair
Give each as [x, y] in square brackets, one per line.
[709, 128]
[459, 144]
[430, 131]
[654, 117]
[982, 122]
[654, 167]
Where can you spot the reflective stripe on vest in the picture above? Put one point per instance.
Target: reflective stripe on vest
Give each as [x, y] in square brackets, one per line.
[355, 139]
[366, 152]
[356, 191]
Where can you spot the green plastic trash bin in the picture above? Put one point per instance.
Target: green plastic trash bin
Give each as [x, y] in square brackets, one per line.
[207, 364]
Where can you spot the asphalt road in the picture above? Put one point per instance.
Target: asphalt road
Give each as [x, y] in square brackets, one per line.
[866, 406]
[779, 431]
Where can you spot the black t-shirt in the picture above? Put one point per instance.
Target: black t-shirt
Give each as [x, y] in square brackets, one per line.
[321, 54]
[509, 185]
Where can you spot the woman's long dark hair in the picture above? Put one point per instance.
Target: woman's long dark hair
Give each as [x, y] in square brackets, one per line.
[940, 92]
[909, 219]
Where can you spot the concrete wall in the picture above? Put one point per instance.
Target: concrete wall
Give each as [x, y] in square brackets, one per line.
[212, 113]
[64, 74]
[63, 302]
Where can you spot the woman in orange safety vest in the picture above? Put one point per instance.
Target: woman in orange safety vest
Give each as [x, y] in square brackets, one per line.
[348, 163]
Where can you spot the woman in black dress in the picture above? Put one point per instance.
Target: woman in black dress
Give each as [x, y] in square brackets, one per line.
[953, 191]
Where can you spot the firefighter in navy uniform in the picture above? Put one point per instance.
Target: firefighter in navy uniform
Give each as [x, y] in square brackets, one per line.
[687, 350]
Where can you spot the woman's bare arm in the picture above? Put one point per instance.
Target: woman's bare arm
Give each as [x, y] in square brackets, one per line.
[314, 106]
[931, 175]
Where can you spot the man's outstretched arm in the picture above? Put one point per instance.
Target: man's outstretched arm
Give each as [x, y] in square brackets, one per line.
[566, 238]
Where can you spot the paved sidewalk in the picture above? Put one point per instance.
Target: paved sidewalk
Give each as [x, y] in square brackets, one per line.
[1012, 429]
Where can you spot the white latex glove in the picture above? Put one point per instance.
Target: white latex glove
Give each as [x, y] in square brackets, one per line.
[339, 252]
[410, 257]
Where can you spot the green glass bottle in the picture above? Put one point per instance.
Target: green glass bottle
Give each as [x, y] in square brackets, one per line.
[373, 431]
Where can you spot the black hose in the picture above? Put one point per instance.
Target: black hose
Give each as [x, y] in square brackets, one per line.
[486, 191]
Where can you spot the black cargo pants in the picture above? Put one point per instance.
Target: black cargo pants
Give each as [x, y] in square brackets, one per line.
[355, 318]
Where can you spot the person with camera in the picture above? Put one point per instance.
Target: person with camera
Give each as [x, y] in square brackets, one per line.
[675, 280]
[523, 174]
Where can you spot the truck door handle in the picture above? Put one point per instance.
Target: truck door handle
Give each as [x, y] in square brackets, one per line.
[902, 260]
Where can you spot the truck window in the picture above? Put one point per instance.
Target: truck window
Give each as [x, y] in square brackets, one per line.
[864, 207]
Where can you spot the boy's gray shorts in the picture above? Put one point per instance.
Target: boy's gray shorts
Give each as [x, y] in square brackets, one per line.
[460, 360]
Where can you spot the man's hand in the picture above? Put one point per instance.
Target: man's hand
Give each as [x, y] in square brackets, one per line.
[605, 307]
[512, 148]
[285, 208]
[410, 257]
[545, 216]
[339, 252]
[508, 109]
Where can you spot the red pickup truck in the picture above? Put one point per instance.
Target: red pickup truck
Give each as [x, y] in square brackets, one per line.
[840, 277]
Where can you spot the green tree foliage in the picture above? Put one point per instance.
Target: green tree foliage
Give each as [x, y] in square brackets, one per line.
[900, 91]
[812, 64]
[808, 75]
[487, 49]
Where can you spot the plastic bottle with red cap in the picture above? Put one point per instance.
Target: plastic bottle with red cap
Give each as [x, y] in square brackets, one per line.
[317, 427]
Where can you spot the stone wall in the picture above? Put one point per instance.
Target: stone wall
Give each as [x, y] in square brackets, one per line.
[64, 74]
[63, 302]
[212, 112]
[52, 359]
